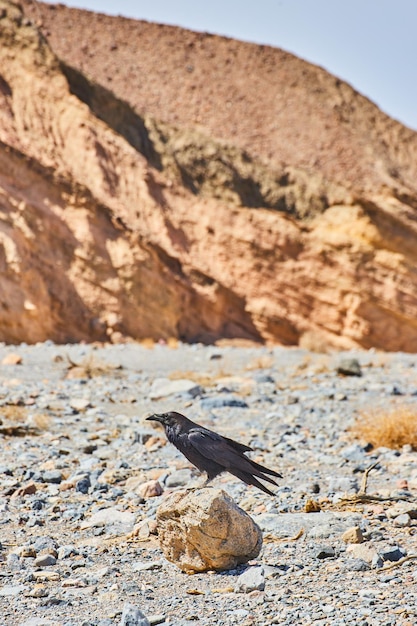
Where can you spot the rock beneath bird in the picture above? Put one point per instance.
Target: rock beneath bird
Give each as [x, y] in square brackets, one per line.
[204, 529]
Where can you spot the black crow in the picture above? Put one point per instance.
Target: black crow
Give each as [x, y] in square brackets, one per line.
[212, 453]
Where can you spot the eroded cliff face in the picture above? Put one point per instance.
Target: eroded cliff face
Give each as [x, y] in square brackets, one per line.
[116, 223]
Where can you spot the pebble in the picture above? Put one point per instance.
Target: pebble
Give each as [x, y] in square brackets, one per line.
[392, 553]
[353, 535]
[179, 478]
[251, 579]
[222, 401]
[83, 485]
[150, 489]
[52, 476]
[132, 616]
[11, 590]
[163, 387]
[44, 560]
[324, 552]
[349, 367]
[402, 520]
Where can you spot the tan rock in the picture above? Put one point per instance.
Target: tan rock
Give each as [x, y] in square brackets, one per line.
[204, 529]
[402, 508]
[353, 535]
[25, 551]
[25, 490]
[12, 359]
[45, 575]
[150, 489]
[363, 551]
[134, 482]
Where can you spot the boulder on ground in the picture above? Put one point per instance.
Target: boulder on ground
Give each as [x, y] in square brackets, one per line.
[204, 529]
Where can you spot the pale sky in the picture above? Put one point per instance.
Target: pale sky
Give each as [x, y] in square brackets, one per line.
[371, 44]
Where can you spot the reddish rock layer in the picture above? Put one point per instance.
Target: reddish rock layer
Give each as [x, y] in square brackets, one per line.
[119, 217]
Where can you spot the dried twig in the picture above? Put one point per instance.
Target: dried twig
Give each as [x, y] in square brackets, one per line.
[364, 483]
[362, 497]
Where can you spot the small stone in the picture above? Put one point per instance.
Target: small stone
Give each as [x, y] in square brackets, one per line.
[392, 553]
[354, 453]
[150, 489]
[324, 552]
[132, 616]
[163, 387]
[44, 560]
[64, 552]
[399, 508]
[222, 401]
[353, 535]
[364, 551]
[377, 561]
[111, 517]
[26, 552]
[14, 562]
[52, 476]
[83, 485]
[147, 566]
[252, 579]
[12, 359]
[25, 490]
[179, 478]
[11, 590]
[349, 367]
[402, 521]
[356, 565]
[74, 582]
[80, 404]
[38, 591]
[45, 575]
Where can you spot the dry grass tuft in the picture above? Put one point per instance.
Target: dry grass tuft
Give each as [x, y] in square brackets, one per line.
[388, 428]
[260, 363]
[14, 413]
[89, 367]
[40, 420]
[201, 378]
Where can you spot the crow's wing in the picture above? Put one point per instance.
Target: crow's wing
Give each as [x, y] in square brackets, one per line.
[240, 447]
[227, 454]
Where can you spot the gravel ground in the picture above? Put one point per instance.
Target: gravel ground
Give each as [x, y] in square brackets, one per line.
[77, 528]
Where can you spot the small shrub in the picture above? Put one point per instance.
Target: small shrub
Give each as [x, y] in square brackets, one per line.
[263, 362]
[392, 428]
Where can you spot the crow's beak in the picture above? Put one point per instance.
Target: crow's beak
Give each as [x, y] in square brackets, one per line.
[156, 418]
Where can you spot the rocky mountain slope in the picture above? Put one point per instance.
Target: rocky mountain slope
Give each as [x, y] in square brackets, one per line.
[157, 182]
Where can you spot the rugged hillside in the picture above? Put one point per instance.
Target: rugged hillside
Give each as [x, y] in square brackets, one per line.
[275, 106]
[211, 195]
